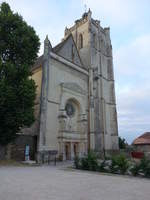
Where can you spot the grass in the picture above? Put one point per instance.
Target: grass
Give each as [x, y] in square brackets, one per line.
[10, 163]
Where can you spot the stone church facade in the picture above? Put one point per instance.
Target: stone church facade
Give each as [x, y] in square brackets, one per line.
[75, 104]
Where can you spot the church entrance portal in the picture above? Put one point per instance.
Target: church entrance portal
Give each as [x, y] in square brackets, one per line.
[71, 150]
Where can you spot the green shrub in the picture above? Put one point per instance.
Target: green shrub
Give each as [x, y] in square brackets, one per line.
[135, 168]
[84, 163]
[147, 171]
[123, 164]
[89, 162]
[103, 166]
[119, 164]
[145, 167]
[114, 165]
[77, 162]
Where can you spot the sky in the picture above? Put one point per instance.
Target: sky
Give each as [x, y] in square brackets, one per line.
[129, 23]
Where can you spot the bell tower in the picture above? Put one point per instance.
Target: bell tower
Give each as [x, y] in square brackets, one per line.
[81, 35]
[94, 45]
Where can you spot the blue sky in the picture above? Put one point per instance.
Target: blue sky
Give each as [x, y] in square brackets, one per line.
[129, 23]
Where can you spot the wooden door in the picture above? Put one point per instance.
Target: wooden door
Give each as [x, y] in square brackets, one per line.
[67, 151]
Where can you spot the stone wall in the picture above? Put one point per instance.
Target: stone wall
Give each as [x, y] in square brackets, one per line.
[16, 150]
[2, 152]
[18, 147]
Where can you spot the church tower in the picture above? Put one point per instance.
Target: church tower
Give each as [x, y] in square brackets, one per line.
[76, 96]
[94, 45]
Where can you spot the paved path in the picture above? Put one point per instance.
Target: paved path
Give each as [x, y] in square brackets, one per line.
[55, 183]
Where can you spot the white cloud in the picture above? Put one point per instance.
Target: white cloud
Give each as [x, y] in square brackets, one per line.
[118, 12]
[133, 58]
[132, 69]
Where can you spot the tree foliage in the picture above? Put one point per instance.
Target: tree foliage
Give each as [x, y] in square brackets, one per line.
[19, 46]
[122, 143]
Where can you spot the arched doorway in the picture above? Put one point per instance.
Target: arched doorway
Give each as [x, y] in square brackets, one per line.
[75, 149]
[67, 151]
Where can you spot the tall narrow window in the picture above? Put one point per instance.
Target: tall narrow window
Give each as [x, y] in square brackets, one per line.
[94, 41]
[110, 69]
[80, 41]
[72, 53]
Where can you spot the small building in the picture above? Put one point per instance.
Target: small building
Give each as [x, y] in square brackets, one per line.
[142, 143]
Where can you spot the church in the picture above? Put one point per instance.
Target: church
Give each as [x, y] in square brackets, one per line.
[75, 106]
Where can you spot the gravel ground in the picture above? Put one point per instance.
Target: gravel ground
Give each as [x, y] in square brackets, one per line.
[58, 183]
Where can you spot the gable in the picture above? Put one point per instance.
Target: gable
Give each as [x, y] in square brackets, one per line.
[68, 50]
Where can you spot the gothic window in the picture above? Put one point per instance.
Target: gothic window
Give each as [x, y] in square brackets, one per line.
[80, 41]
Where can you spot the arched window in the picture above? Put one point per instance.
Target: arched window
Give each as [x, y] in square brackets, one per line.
[80, 41]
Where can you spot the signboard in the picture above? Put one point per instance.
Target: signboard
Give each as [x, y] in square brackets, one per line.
[27, 153]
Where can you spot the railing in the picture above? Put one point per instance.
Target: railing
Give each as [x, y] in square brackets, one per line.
[48, 156]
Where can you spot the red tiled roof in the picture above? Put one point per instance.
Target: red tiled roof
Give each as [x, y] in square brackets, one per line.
[143, 139]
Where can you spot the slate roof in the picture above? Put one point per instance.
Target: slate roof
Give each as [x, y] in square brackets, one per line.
[143, 139]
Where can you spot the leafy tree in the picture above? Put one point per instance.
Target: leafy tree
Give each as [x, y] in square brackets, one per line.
[122, 143]
[19, 46]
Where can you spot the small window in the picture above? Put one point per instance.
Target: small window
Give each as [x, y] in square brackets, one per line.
[80, 41]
